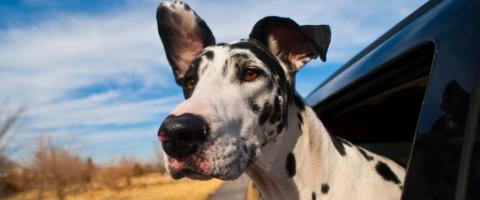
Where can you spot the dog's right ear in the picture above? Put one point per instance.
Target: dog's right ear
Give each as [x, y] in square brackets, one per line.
[291, 43]
[184, 34]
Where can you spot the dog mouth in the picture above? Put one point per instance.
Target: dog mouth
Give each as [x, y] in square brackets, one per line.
[194, 167]
[224, 159]
[191, 174]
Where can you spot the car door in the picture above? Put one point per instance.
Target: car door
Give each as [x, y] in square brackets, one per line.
[412, 95]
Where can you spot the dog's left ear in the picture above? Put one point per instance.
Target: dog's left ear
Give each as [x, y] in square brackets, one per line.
[290, 42]
[184, 34]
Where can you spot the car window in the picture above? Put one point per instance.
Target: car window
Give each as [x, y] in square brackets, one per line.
[380, 112]
[436, 168]
[437, 150]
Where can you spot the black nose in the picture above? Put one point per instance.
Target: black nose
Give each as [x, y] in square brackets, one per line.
[182, 135]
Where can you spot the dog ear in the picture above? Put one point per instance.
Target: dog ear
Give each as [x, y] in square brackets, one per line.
[184, 34]
[291, 43]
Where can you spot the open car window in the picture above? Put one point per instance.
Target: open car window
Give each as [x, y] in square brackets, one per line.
[380, 111]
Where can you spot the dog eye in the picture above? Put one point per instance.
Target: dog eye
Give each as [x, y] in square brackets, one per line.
[251, 74]
[189, 84]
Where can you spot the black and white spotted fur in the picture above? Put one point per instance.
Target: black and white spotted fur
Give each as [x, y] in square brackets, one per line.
[263, 127]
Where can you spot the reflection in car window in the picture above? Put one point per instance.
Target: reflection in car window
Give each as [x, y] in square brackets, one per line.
[439, 149]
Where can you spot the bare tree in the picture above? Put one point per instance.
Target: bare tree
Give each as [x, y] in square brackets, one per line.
[89, 171]
[118, 174]
[7, 122]
[57, 168]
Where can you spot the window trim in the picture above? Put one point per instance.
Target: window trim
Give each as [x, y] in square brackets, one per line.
[469, 140]
[363, 83]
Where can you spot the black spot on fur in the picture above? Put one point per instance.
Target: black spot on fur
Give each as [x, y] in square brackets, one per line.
[280, 127]
[365, 154]
[252, 156]
[224, 69]
[253, 105]
[285, 118]
[238, 70]
[194, 65]
[240, 61]
[288, 89]
[291, 166]
[325, 188]
[191, 75]
[338, 145]
[277, 113]
[203, 70]
[387, 173]
[187, 7]
[299, 102]
[343, 141]
[269, 85]
[266, 111]
[222, 44]
[314, 196]
[241, 57]
[209, 55]
[300, 118]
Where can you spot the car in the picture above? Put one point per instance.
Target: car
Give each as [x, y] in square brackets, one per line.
[414, 95]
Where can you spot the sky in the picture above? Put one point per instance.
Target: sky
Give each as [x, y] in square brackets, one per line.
[93, 76]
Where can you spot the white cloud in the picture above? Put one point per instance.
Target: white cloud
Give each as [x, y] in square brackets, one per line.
[55, 57]
[100, 110]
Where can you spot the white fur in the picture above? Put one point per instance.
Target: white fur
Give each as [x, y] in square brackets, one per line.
[317, 163]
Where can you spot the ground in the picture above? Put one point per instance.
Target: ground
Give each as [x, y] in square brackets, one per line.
[152, 186]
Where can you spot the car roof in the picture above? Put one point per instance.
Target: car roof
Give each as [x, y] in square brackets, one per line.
[388, 46]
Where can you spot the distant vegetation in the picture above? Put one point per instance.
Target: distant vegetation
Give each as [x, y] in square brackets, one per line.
[63, 172]
[58, 173]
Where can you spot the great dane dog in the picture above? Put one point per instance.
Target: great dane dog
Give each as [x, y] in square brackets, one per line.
[241, 114]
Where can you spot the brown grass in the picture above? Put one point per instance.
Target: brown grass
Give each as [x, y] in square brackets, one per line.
[252, 192]
[151, 186]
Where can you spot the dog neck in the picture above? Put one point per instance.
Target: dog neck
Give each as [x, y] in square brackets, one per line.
[304, 146]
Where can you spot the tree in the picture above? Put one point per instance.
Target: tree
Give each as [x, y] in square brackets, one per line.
[56, 168]
[137, 170]
[89, 170]
[7, 122]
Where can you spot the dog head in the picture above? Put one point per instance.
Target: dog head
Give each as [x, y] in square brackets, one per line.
[236, 95]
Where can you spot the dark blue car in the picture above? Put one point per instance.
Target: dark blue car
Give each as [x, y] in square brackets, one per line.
[414, 95]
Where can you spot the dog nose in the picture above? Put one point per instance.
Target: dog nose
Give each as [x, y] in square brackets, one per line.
[182, 135]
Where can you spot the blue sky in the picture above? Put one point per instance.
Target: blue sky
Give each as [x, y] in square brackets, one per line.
[95, 79]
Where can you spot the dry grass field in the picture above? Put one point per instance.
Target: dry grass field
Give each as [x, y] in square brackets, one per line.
[151, 186]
